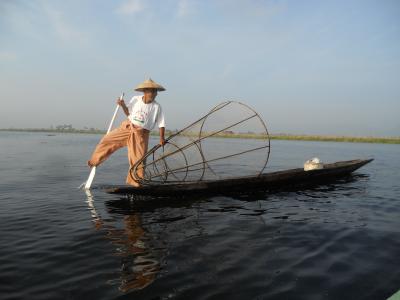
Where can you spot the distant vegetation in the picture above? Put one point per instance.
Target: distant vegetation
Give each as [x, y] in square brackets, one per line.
[228, 134]
[349, 139]
[57, 130]
[319, 138]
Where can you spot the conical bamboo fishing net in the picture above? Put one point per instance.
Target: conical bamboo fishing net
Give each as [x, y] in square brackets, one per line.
[209, 149]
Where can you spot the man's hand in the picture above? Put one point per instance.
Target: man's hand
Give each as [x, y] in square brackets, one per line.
[162, 141]
[121, 102]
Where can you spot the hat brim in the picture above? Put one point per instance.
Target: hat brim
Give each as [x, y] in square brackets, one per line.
[141, 89]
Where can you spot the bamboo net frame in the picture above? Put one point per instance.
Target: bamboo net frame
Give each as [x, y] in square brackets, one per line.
[188, 155]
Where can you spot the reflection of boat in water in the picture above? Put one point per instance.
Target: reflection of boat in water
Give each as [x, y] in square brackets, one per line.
[281, 180]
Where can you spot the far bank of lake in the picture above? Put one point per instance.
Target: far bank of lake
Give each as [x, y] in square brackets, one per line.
[319, 138]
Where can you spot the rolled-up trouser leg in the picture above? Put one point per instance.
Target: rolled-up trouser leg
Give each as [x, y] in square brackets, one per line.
[137, 147]
[111, 142]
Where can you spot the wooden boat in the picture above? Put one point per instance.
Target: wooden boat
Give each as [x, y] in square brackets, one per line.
[280, 180]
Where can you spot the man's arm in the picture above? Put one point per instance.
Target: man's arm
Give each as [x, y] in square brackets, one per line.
[124, 107]
[162, 138]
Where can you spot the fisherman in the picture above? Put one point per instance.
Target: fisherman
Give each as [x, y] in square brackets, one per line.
[143, 113]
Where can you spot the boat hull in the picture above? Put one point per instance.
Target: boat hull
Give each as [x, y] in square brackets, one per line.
[282, 180]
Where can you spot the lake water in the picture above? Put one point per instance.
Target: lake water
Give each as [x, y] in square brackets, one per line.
[336, 241]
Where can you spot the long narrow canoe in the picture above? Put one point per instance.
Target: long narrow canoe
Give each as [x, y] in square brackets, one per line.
[286, 179]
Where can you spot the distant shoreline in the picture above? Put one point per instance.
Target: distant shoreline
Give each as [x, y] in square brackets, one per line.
[318, 138]
[49, 130]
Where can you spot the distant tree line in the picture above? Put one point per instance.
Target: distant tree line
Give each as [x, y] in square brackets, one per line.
[68, 128]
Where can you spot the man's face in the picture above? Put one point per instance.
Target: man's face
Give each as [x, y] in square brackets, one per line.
[150, 94]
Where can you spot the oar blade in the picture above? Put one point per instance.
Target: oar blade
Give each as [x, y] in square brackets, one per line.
[90, 179]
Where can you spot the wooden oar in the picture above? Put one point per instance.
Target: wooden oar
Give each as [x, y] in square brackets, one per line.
[93, 170]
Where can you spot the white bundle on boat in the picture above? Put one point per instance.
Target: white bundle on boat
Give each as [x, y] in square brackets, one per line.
[313, 164]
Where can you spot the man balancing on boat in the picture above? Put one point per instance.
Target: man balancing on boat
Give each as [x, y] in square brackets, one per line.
[143, 113]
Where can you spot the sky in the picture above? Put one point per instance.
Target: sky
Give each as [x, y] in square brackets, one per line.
[307, 67]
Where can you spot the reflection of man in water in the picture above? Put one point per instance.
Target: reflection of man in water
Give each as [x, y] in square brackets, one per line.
[140, 264]
[141, 267]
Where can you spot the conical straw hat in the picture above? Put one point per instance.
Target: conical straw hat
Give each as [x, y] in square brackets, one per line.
[149, 84]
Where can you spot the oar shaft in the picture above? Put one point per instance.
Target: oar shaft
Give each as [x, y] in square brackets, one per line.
[93, 170]
[115, 114]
